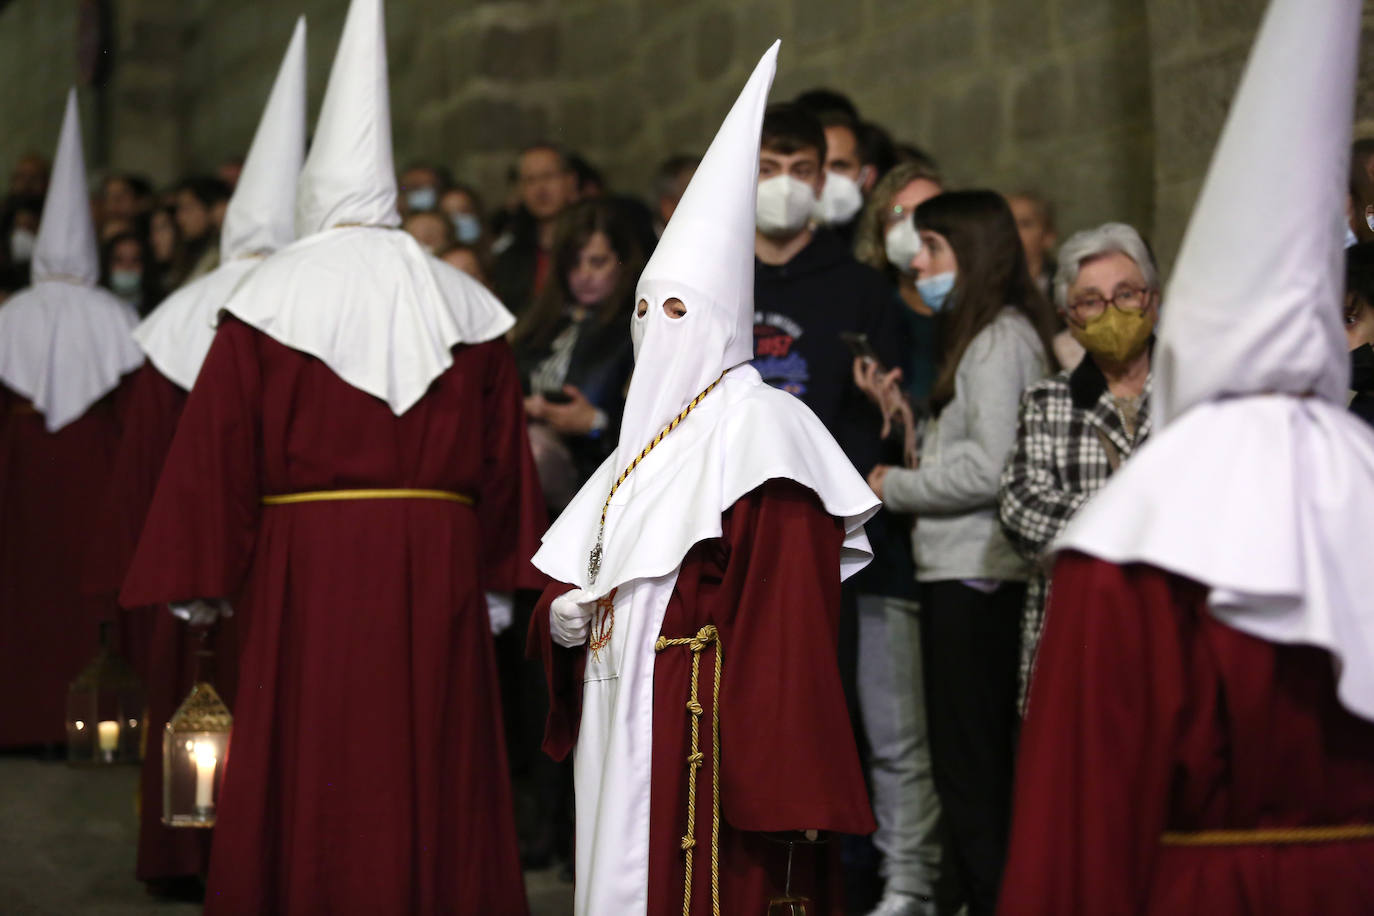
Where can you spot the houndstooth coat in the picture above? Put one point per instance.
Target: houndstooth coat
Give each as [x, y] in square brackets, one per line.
[1071, 436]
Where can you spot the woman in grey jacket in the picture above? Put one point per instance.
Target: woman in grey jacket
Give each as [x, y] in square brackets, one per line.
[995, 331]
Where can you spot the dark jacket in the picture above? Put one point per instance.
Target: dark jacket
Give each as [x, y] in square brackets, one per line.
[1362, 382]
[600, 366]
[800, 310]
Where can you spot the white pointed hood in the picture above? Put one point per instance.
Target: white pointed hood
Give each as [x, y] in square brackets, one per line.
[1260, 484]
[64, 342]
[354, 292]
[706, 259]
[349, 177]
[260, 219]
[740, 435]
[66, 247]
[261, 214]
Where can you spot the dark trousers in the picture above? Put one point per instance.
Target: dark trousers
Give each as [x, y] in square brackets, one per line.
[970, 643]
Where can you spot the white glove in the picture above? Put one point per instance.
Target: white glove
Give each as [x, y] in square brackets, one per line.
[570, 618]
[201, 612]
[501, 610]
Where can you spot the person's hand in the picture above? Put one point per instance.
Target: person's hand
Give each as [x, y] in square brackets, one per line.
[876, 478]
[535, 405]
[570, 619]
[884, 390]
[575, 418]
[201, 612]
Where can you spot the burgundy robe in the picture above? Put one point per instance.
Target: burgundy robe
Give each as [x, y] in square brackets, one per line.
[1149, 715]
[770, 584]
[161, 647]
[367, 770]
[51, 485]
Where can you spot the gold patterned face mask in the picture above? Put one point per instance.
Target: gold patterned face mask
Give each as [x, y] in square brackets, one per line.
[1117, 336]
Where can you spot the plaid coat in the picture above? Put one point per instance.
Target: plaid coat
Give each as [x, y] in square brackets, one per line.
[1061, 458]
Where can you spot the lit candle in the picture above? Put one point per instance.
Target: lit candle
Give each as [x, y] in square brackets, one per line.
[205, 775]
[109, 737]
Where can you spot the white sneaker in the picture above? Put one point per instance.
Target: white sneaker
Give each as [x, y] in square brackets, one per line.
[897, 903]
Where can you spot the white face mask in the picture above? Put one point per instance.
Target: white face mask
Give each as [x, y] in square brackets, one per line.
[902, 244]
[21, 245]
[784, 206]
[841, 199]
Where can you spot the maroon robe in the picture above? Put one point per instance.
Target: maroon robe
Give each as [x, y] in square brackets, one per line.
[51, 485]
[770, 584]
[367, 770]
[161, 647]
[1149, 715]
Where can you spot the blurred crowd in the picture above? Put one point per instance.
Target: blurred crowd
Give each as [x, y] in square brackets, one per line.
[985, 377]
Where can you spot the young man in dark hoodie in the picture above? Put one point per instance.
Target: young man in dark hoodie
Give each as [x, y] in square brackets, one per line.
[809, 291]
[1359, 326]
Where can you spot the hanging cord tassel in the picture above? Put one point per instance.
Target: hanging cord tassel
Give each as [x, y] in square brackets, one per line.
[706, 637]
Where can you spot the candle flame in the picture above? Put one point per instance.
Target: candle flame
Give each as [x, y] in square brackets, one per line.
[204, 754]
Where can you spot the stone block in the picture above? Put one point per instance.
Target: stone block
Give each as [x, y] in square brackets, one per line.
[519, 54]
[1190, 105]
[1040, 103]
[1019, 30]
[715, 43]
[1223, 19]
[595, 40]
[947, 40]
[686, 133]
[1111, 82]
[825, 21]
[966, 126]
[1080, 19]
[499, 125]
[664, 71]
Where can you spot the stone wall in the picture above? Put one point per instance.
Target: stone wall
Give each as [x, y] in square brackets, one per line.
[1109, 106]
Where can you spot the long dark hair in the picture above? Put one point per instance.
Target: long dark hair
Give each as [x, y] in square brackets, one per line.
[992, 275]
[575, 229]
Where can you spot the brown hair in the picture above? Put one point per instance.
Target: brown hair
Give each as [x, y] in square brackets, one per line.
[576, 226]
[992, 275]
[870, 237]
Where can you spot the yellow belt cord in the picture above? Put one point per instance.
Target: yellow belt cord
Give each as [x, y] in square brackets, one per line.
[705, 638]
[324, 496]
[1269, 836]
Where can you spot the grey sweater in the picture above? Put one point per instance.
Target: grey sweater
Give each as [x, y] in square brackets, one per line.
[954, 491]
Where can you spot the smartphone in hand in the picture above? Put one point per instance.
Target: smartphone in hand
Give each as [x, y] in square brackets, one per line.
[859, 347]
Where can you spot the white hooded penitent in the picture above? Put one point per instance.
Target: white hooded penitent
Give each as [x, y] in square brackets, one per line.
[260, 219]
[739, 436]
[354, 291]
[1260, 485]
[64, 342]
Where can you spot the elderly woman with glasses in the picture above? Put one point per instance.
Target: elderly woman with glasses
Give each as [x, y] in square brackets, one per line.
[1078, 426]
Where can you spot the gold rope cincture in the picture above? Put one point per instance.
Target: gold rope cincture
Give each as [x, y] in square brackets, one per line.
[1262, 836]
[706, 637]
[594, 559]
[323, 496]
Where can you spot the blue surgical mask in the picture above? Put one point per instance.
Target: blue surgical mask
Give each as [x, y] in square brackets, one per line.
[421, 199]
[467, 227]
[935, 290]
[126, 283]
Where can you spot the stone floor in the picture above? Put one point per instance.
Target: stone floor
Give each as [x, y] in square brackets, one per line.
[67, 840]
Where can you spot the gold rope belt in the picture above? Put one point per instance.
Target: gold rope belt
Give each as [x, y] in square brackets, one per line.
[22, 410]
[706, 637]
[327, 496]
[1269, 836]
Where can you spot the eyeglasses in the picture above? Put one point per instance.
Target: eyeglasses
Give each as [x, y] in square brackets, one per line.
[1129, 299]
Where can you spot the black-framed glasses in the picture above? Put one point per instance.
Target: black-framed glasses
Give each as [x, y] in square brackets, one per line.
[1126, 299]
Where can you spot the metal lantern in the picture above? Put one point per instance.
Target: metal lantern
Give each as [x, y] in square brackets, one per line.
[194, 746]
[105, 709]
